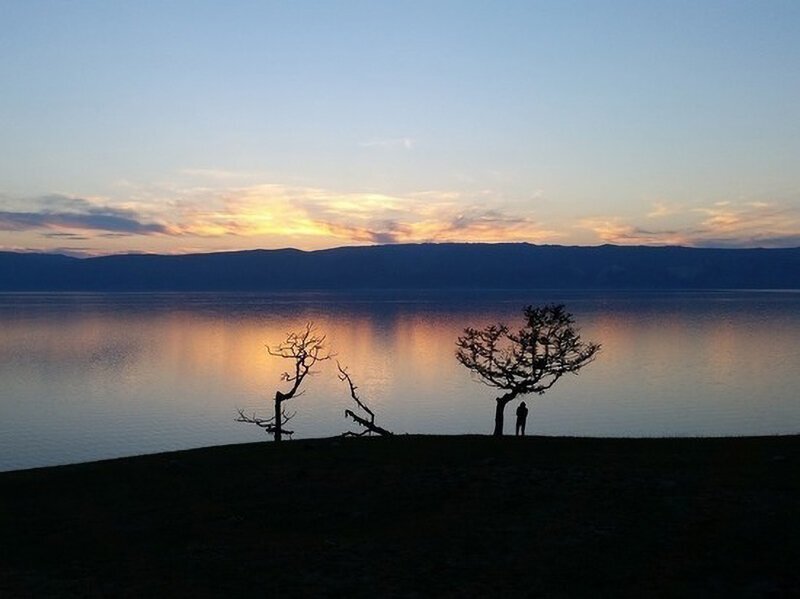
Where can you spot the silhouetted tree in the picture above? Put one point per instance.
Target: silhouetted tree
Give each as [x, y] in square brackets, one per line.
[367, 423]
[546, 348]
[305, 348]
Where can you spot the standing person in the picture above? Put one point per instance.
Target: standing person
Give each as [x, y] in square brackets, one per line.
[522, 416]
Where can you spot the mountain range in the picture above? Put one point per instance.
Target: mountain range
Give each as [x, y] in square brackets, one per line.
[411, 266]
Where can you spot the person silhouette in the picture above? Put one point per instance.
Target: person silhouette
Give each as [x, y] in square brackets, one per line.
[522, 416]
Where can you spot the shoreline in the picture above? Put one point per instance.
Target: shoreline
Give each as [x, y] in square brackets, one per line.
[174, 453]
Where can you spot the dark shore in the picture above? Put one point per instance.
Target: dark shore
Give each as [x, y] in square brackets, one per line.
[413, 516]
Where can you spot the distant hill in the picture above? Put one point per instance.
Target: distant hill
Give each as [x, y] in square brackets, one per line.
[422, 266]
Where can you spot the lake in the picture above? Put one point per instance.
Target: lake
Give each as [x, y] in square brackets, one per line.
[93, 376]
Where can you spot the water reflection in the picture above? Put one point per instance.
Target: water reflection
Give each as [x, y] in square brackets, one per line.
[86, 376]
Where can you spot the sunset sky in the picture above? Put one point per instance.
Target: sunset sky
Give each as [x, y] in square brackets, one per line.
[169, 126]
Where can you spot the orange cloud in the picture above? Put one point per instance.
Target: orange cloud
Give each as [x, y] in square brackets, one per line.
[662, 209]
[202, 218]
[723, 224]
[275, 210]
[614, 230]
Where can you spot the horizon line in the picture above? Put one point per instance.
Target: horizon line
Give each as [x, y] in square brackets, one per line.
[88, 256]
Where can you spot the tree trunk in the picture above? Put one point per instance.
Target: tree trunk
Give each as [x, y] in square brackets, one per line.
[278, 421]
[502, 401]
[498, 417]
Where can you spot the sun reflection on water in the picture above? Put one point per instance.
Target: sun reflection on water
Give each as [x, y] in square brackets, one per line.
[100, 376]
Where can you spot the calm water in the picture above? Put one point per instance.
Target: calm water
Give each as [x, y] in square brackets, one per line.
[90, 376]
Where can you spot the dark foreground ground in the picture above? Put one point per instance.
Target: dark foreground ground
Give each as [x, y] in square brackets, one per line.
[413, 516]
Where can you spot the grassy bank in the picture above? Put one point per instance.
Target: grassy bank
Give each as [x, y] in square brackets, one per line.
[412, 516]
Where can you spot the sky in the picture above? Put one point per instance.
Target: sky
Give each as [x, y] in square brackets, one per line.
[175, 126]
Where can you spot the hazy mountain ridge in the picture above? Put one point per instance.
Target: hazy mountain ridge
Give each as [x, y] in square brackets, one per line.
[424, 266]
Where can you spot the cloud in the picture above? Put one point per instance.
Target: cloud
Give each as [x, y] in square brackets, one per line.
[22, 221]
[69, 236]
[74, 251]
[302, 214]
[174, 219]
[760, 224]
[70, 216]
[615, 230]
[215, 174]
[271, 215]
[487, 219]
[761, 241]
[405, 143]
[661, 209]
[722, 224]
[385, 233]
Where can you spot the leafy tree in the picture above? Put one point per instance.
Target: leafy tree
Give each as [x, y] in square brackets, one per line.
[531, 360]
[305, 348]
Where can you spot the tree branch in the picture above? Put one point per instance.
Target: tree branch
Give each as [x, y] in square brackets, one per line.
[268, 424]
[369, 425]
[305, 348]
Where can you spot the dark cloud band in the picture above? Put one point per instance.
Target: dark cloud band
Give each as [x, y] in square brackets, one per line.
[96, 220]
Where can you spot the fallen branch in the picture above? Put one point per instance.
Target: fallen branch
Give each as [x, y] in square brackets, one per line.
[369, 425]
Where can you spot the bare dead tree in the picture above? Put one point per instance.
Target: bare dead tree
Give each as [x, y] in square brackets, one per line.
[305, 348]
[367, 423]
[529, 361]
